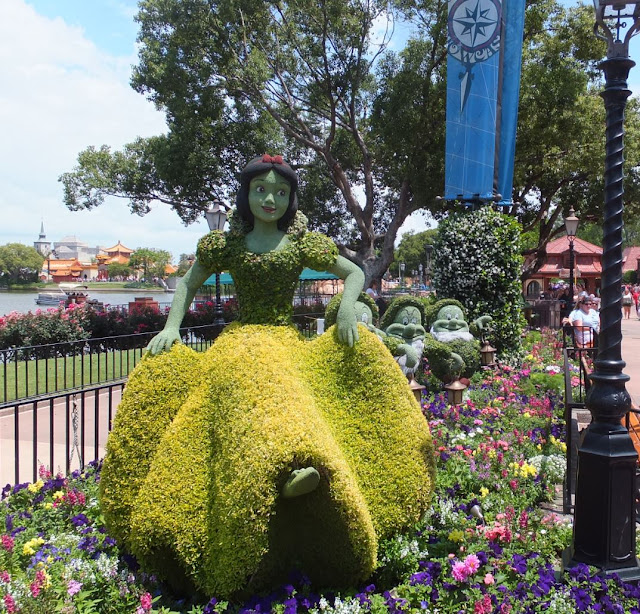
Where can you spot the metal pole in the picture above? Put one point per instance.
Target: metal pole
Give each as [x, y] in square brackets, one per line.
[218, 319]
[571, 265]
[604, 532]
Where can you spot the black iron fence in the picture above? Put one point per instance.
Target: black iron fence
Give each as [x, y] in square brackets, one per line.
[578, 364]
[38, 370]
[63, 431]
[57, 402]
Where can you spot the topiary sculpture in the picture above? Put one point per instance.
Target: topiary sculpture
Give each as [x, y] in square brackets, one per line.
[227, 470]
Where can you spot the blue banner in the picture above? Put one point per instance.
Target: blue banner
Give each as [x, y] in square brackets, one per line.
[483, 76]
[513, 12]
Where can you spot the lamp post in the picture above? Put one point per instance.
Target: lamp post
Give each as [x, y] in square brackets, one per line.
[429, 250]
[216, 216]
[421, 270]
[604, 531]
[571, 226]
[402, 265]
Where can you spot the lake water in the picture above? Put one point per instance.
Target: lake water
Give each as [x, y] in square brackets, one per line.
[26, 301]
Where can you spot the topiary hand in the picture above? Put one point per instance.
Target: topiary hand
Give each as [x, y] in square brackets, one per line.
[163, 341]
[347, 326]
[483, 322]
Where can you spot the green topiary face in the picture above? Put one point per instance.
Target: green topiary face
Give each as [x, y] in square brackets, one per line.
[269, 196]
[407, 325]
[450, 319]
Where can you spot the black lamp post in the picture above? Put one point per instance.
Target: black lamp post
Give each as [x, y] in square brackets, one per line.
[216, 219]
[604, 530]
[429, 250]
[571, 226]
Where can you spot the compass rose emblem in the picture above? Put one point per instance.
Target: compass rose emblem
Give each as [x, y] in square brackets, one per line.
[474, 36]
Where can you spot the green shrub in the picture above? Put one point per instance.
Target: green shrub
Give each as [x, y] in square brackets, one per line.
[469, 351]
[478, 262]
[201, 448]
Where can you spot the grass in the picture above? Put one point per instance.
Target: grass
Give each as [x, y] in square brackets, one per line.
[26, 378]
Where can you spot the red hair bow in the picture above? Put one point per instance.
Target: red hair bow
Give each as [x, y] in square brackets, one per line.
[272, 159]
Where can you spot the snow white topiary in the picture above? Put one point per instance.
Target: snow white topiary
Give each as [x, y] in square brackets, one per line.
[227, 470]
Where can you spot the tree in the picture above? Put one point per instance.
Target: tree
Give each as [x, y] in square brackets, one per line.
[561, 136]
[363, 125]
[19, 264]
[150, 261]
[184, 263]
[307, 78]
[412, 249]
[118, 269]
[478, 262]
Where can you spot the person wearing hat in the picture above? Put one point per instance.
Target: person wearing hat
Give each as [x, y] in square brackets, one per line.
[585, 321]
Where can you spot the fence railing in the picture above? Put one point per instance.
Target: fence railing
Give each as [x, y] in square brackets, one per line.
[578, 364]
[63, 432]
[67, 428]
[38, 370]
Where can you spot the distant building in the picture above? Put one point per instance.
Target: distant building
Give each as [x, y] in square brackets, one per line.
[117, 254]
[42, 246]
[71, 248]
[631, 260]
[587, 266]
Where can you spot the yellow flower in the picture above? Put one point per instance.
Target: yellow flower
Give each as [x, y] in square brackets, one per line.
[58, 494]
[527, 414]
[36, 486]
[29, 548]
[48, 505]
[456, 535]
[484, 491]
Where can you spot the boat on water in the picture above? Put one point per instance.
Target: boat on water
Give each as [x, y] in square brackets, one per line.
[64, 295]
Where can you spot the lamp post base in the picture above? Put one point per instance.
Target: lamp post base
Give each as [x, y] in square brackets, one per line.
[604, 529]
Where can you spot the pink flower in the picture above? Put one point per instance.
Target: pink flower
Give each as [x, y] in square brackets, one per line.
[489, 579]
[10, 604]
[73, 587]
[5, 577]
[459, 571]
[7, 542]
[472, 563]
[483, 606]
[145, 601]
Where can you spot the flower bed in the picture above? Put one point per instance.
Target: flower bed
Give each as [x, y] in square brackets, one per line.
[490, 544]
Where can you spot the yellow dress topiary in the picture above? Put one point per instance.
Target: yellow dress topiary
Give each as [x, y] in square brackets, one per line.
[203, 443]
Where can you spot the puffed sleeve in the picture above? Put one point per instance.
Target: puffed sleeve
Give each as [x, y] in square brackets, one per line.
[319, 252]
[212, 251]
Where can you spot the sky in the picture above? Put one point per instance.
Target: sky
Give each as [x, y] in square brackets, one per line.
[65, 67]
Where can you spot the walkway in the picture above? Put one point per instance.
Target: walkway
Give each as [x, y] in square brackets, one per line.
[631, 355]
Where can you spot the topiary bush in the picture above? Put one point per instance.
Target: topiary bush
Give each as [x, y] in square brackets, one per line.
[201, 448]
[477, 260]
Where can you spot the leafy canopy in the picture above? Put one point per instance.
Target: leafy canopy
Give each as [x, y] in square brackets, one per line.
[19, 264]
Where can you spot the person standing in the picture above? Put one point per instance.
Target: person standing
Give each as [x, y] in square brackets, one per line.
[627, 301]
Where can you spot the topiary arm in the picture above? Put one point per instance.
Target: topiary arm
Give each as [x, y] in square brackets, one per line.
[185, 292]
[353, 284]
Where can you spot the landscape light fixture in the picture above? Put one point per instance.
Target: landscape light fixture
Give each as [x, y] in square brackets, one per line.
[216, 216]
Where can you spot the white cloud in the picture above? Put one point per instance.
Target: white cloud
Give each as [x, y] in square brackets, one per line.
[60, 94]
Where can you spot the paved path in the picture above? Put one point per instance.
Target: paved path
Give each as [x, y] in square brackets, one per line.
[631, 355]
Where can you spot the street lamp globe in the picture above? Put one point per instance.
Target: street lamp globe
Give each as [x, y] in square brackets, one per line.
[216, 216]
